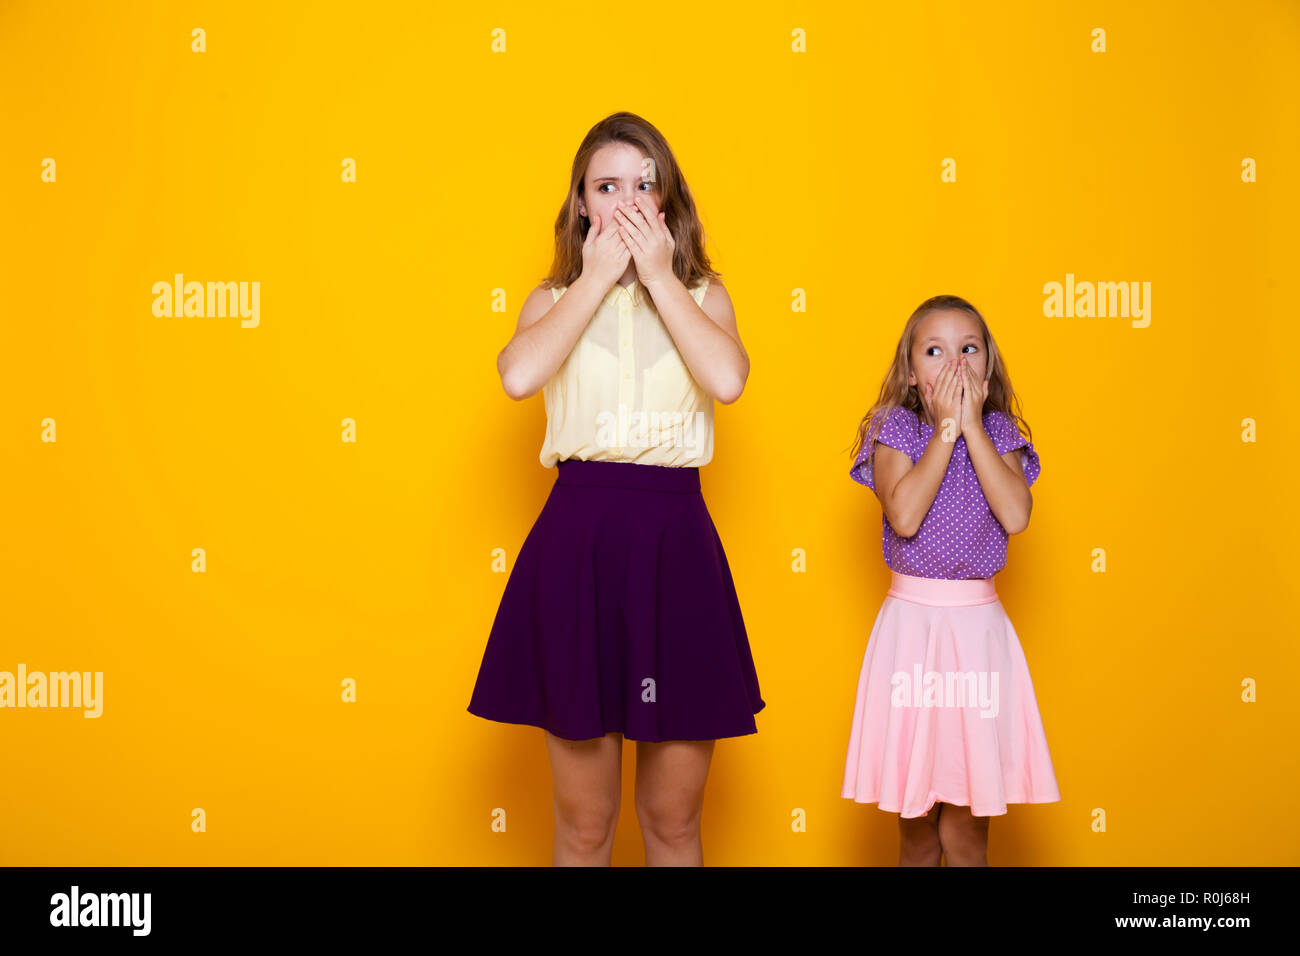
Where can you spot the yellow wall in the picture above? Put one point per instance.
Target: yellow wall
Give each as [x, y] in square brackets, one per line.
[371, 560]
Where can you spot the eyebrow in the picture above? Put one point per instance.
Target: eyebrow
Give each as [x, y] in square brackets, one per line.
[935, 338]
[617, 179]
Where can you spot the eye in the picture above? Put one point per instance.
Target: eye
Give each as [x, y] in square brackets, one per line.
[648, 185]
[974, 346]
[601, 187]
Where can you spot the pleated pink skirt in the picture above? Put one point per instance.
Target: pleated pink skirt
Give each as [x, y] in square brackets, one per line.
[945, 708]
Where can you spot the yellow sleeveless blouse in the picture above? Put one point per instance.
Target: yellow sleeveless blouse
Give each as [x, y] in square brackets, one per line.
[624, 393]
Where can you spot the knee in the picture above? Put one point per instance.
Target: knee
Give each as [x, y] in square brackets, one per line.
[965, 841]
[668, 823]
[587, 825]
[965, 854]
[919, 837]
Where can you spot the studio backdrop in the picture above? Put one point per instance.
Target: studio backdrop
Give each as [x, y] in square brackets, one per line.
[267, 524]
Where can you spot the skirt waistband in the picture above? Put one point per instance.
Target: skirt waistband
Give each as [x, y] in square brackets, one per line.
[942, 593]
[628, 474]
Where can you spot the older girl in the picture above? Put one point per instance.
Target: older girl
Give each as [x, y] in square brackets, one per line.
[620, 618]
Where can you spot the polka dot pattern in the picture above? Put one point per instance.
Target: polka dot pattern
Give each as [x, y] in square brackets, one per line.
[960, 537]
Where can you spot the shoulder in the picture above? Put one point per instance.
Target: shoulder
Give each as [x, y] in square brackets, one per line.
[537, 304]
[902, 429]
[899, 430]
[1012, 445]
[1002, 428]
[902, 415]
[902, 422]
[711, 296]
[714, 301]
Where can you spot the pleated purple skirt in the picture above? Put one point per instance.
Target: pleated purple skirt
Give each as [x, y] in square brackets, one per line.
[620, 615]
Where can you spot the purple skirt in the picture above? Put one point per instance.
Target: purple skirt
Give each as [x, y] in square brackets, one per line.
[620, 615]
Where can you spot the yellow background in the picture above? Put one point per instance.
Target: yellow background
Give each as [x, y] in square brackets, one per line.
[817, 171]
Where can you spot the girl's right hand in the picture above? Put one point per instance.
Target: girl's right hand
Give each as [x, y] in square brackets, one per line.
[942, 399]
[604, 253]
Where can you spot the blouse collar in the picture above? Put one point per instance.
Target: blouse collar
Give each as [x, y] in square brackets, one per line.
[636, 292]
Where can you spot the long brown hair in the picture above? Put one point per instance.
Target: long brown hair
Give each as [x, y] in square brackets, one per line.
[690, 264]
[895, 392]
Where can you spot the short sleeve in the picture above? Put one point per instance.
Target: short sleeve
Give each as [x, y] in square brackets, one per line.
[901, 430]
[1006, 437]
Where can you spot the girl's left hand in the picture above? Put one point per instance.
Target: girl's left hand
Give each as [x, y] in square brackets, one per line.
[974, 394]
[648, 240]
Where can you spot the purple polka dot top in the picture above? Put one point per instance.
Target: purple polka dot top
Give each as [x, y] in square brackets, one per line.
[960, 538]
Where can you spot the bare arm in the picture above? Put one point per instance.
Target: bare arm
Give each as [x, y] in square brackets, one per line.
[546, 334]
[1003, 482]
[705, 336]
[907, 491]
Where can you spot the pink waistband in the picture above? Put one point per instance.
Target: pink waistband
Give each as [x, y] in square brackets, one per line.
[941, 593]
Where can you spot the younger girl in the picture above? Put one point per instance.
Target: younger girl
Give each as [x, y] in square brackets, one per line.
[946, 730]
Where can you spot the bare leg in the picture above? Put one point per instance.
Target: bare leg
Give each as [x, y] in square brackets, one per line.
[588, 780]
[918, 839]
[964, 837]
[670, 778]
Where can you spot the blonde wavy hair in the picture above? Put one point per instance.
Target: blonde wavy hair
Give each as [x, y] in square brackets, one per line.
[896, 393]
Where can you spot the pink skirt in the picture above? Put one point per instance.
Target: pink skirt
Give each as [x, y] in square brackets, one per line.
[945, 708]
